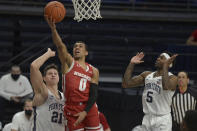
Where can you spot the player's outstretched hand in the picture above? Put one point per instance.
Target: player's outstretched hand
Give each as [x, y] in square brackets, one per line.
[170, 60]
[137, 59]
[50, 22]
[50, 52]
[81, 116]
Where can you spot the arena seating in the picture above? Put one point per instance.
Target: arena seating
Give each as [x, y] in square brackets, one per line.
[122, 39]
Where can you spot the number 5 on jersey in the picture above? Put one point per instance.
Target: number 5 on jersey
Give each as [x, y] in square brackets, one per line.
[82, 84]
[149, 97]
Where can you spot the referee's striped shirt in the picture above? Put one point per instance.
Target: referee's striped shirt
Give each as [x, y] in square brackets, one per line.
[182, 103]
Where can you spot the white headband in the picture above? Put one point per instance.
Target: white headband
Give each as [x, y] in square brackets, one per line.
[167, 57]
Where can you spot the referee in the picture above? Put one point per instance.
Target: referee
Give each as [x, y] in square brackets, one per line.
[183, 100]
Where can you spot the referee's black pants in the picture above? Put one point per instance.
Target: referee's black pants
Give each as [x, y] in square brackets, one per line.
[175, 126]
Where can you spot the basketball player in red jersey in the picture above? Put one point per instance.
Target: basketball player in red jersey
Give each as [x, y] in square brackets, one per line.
[104, 122]
[80, 85]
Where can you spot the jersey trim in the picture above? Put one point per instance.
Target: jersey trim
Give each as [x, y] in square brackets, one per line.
[35, 116]
[87, 69]
[63, 82]
[93, 128]
[64, 76]
[72, 65]
[82, 129]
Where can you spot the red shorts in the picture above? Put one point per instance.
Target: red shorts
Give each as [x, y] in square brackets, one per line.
[91, 122]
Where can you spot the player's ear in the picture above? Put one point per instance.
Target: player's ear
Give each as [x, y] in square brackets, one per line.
[187, 80]
[44, 78]
[86, 53]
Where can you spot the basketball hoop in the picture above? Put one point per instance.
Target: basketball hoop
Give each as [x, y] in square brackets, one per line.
[86, 9]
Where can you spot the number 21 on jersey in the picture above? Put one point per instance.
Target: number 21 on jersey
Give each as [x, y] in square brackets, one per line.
[57, 117]
[82, 84]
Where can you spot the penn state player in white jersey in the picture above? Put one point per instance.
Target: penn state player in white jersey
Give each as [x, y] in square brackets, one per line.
[48, 101]
[157, 95]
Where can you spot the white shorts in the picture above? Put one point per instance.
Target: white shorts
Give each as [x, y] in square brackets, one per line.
[155, 123]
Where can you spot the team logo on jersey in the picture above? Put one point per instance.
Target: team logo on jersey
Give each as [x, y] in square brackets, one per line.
[56, 106]
[153, 86]
[82, 75]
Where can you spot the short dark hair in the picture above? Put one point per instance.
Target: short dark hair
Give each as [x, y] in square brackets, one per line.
[190, 120]
[86, 46]
[184, 72]
[15, 66]
[51, 66]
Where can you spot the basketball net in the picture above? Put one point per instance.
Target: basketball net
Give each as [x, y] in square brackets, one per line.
[86, 9]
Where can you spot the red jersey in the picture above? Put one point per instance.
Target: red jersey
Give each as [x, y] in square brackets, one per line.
[76, 83]
[103, 121]
[194, 34]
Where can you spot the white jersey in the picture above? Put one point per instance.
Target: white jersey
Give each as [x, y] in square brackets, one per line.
[155, 100]
[50, 115]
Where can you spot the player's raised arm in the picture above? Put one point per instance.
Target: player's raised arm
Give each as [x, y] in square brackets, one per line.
[169, 82]
[64, 56]
[36, 76]
[135, 81]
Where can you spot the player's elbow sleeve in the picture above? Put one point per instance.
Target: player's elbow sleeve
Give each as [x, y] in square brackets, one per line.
[93, 91]
[93, 94]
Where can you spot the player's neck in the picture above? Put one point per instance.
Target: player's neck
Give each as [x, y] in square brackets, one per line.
[158, 73]
[82, 63]
[53, 88]
[54, 91]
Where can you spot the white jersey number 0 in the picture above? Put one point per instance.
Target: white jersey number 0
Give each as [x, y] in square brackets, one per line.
[82, 84]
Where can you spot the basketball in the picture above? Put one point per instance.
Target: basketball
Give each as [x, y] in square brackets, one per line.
[55, 10]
